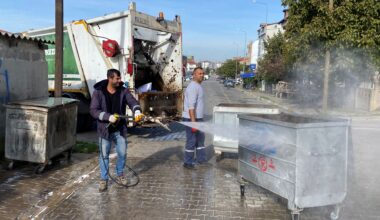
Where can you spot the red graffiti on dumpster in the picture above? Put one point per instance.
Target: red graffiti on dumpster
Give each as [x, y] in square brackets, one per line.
[254, 160]
[263, 163]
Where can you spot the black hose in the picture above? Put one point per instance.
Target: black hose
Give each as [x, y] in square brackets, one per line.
[108, 169]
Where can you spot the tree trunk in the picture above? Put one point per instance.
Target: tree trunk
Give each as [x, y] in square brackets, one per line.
[326, 81]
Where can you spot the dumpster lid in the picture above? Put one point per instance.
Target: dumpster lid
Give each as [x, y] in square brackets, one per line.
[246, 108]
[239, 105]
[48, 102]
[296, 121]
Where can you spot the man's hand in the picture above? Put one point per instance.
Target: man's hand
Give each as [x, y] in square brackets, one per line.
[113, 119]
[193, 130]
[138, 116]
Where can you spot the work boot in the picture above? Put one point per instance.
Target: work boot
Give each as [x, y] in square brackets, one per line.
[189, 166]
[122, 180]
[103, 185]
[204, 164]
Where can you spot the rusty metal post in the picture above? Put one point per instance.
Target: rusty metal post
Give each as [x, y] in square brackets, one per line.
[58, 48]
[326, 81]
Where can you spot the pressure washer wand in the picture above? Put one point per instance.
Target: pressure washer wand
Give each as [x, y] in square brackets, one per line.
[145, 119]
[157, 121]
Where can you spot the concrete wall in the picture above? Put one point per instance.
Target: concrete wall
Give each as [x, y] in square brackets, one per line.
[363, 99]
[375, 96]
[23, 75]
[366, 98]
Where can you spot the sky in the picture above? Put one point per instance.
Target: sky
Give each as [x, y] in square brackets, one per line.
[213, 30]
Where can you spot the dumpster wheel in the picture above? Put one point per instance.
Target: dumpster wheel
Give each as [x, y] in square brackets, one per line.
[69, 154]
[10, 165]
[296, 216]
[242, 189]
[219, 155]
[40, 168]
[334, 215]
[296, 213]
[242, 183]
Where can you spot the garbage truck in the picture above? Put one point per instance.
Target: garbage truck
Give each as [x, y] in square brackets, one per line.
[146, 49]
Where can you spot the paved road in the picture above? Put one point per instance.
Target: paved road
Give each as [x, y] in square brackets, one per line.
[168, 191]
[363, 196]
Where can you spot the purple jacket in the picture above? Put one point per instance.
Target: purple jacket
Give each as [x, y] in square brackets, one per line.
[98, 108]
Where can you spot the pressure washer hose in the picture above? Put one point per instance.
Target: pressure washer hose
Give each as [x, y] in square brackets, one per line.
[108, 169]
[151, 119]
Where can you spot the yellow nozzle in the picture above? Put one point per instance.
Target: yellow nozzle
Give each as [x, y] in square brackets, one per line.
[117, 116]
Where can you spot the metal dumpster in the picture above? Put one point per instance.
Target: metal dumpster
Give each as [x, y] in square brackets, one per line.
[302, 159]
[39, 129]
[225, 115]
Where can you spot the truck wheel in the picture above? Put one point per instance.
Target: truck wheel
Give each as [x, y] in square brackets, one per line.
[84, 122]
[84, 119]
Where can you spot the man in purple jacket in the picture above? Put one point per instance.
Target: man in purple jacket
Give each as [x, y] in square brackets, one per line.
[109, 98]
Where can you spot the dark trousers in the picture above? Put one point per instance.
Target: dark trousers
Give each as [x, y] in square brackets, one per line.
[195, 145]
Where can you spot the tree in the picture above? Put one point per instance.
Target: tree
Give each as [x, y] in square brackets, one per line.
[228, 69]
[275, 62]
[352, 24]
[330, 30]
[207, 71]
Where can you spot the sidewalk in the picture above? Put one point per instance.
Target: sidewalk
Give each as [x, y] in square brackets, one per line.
[22, 190]
[291, 106]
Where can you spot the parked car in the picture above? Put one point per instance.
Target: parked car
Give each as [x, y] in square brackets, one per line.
[206, 77]
[229, 83]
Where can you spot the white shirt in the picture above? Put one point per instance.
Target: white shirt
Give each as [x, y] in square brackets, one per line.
[193, 100]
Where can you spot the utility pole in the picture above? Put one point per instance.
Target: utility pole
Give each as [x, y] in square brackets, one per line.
[327, 69]
[236, 60]
[58, 48]
[236, 68]
[266, 9]
[245, 46]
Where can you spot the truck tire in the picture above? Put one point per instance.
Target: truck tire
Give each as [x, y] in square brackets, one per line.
[84, 122]
[84, 119]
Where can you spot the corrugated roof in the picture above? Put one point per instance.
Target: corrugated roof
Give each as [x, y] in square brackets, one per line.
[18, 36]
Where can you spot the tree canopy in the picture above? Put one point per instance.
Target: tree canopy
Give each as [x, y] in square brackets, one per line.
[275, 63]
[229, 68]
[351, 29]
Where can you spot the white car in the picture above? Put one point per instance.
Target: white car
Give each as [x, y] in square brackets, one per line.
[206, 77]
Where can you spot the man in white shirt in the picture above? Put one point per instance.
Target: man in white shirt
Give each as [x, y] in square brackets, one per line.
[193, 112]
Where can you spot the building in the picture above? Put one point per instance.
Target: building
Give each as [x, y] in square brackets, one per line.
[267, 31]
[190, 66]
[218, 65]
[253, 53]
[207, 64]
